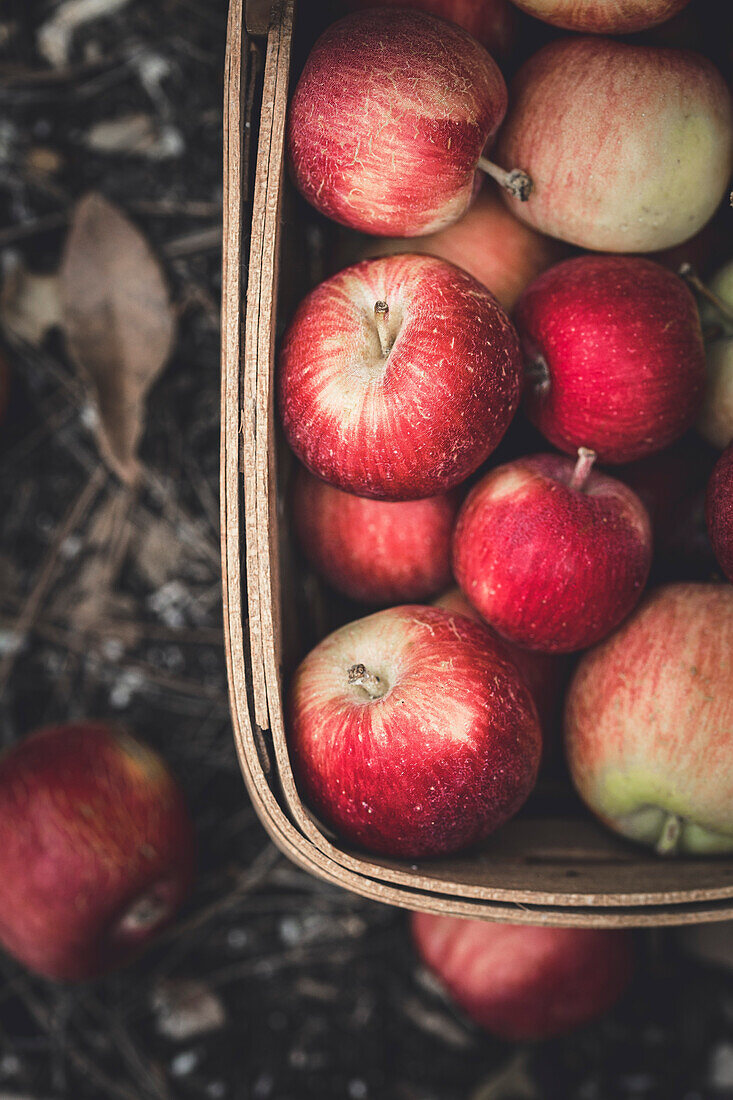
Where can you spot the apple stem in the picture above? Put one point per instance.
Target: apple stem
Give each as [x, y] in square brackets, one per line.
[583, 467]
[669, 838]
[688, 273]
[516, 182]
[359, 676]
[381, 316]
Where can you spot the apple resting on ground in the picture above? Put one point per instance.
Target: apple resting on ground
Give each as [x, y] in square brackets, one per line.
[398, 377]
[719, 511]
[389, 120]
[629, 148]
[602, 16]
[377, 551]
[649, 723]
[613, 355]
[551, 553]
[520, 982]
[490, 22]
[411, 733]
[504, 254]
[715, 422]
[96, 849]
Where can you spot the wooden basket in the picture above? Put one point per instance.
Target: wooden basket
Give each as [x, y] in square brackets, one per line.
[538, 869]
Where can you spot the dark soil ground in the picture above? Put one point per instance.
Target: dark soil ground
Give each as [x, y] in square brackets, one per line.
[110, 607]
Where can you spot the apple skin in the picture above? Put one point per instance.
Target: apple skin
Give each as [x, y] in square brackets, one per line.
[96, 849]
[614, 356]
[388, 121]
[504, 254]
[445, 757]
[417, 422]
[629, 148]
[715, 422]
[550, 566]
[719, 511]
[375, 551]
[520, 982]
[602, 16]
[493, 23]
[649, 723]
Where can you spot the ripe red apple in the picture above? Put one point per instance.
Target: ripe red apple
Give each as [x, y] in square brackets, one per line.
[96, 849]
[376, 551]
[544, 673]
[600, 16]
[411, 733]
[614, 357]
[490, 22]
[629, 148]
[719, 511]
[552, 554]
[389, 119]
[520, 982]
[649, 723]
[489, 243]
[398, 377]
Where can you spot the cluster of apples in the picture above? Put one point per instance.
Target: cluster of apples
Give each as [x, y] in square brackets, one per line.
[418, 730]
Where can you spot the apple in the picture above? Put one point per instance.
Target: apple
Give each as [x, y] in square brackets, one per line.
[719, 511]
[602, 16]
[614, 356]
[649, 723]
[490, 22]
[389, 121]
[96, 849]
[489, 243]
[629, 148]
[376, 551]
[552, 554]
[715, 421]
[544, 673]
[398, 377]
[521, 982]
[411, 733]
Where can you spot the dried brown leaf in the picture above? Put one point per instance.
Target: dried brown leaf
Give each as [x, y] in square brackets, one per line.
[29, 304]
[118, 320]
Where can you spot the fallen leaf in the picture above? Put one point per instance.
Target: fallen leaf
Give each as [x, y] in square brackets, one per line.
[119, 323]
[134, 135]
[55, 35]
[29, 304]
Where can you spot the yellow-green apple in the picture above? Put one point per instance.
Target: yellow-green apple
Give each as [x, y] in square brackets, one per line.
[649, 723]
[520, 982]
[602, 16]
[411, 732]
[376, 551]
[614, 356]
[715, 421]
[629, 148]
[490, 22]
[719, 511]
[552, 554]
[389, 120]
[398, 377]
[96, 849]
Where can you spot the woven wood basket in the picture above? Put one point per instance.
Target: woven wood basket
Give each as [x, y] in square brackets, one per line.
[542, 868]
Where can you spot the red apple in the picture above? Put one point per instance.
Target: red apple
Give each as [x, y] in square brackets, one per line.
[411, 733]
[629, 148]
[602, 16]
[649, 723]
[490, 22]
[489, 243]
[375, 551]
[719, 511]
[551, 553]
[96, 849]
[520, 982]
[614, 356]
[389, 119]
[398, 377]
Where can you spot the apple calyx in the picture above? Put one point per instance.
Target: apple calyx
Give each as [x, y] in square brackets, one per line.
[381, 316]
[517, 182]
[693, 280]
[583, 467]
[670, 836]
[360, 676]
